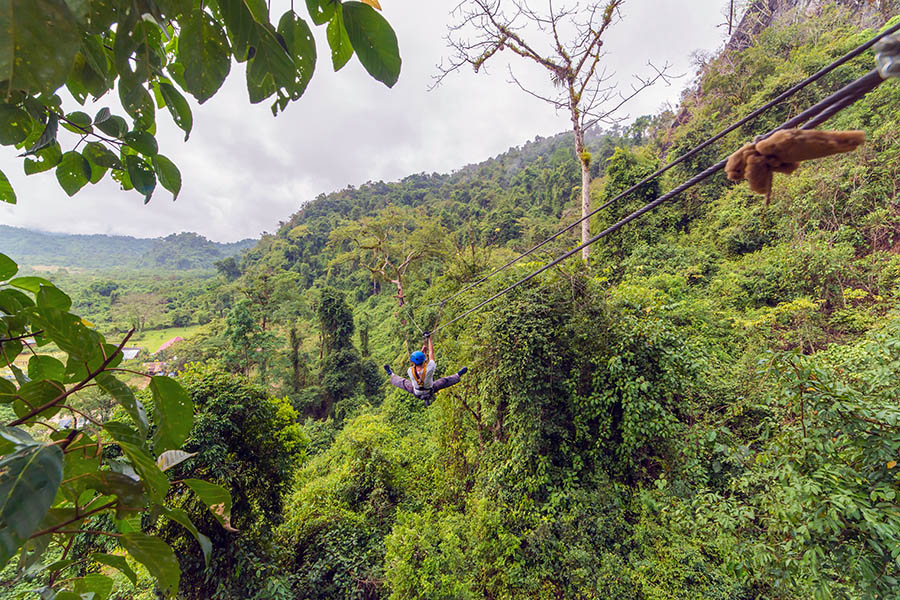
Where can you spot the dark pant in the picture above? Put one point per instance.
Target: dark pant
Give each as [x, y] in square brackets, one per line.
[439, 384]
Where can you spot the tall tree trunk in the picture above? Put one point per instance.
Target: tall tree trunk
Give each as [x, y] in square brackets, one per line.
[295, 360]
[584, 160]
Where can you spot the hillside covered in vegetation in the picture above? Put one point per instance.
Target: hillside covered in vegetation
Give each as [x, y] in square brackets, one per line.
[179, 251]
[706, 410]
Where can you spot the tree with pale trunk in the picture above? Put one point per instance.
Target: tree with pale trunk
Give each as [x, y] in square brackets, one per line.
[566, 41]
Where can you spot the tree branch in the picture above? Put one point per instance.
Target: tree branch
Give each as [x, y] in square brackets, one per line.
[56, 528]
[81, 385]
[24, 336]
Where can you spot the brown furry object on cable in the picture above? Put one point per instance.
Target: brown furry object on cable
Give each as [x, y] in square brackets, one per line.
[783, 151]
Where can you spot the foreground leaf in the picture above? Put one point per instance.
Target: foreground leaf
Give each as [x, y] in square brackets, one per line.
[7, 194]
[126, 399]
[182, 518]
[38, 43]
[73, 173]
[205, 54]
[29, 479]
[302, 47]
[174, 413]
[141, 175]
[178, 108]
[341, 49]
[168, 174]
[157, 556]
[374, 41]
[8, 267]
[216, 498]
[116, 562]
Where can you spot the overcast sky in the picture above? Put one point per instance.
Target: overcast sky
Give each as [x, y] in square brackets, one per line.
[244, 170]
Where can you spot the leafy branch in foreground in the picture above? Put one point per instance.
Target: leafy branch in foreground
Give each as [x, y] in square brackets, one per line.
[148, 52]
[58, 470]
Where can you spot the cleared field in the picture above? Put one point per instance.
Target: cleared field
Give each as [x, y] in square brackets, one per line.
[153, 339]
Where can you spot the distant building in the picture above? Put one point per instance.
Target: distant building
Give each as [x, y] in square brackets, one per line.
[155, 368]
[131, 352]
[168, 344]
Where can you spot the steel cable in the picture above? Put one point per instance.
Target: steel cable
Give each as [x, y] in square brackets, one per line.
[778, 99]
[812, 117]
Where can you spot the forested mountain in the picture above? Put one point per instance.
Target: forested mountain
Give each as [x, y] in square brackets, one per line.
[705, 413]
[708, 409]
[178, 251]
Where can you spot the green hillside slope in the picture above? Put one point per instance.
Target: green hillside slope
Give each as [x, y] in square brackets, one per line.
[705, 413]
[179, 251]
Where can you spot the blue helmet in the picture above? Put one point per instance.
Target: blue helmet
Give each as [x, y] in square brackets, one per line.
[417, 357]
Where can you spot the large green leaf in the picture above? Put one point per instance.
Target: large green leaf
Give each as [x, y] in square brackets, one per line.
[182, 518]
[38, 43]
[126, 399]
[302, 47]
[15, 124]
[113, 125]
[155, 481]
[141, 175]
[42, 366]
[116, 562]
[373, 40]
[128, 491]
[341, 48]
[44, 159]
[50, 296]
[216, 498]
[7, 193]
[48, 134]
[69, 333]
[8, 267]
[13, 438]
[99, 585]
[239, 19]
[320, 11]
[29, 479]
[271, 69]
[157, 556]
[73, 172]
[99, 154]
[168, 174]
[137, 102]
[35, 394]
[78, 122]
[204, 51]
[143, 142]
[82, 458]
[173, 413]
[178, 108]
[32, 284]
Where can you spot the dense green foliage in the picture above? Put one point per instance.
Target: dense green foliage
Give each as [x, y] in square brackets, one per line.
[143, 49]
[708, 412]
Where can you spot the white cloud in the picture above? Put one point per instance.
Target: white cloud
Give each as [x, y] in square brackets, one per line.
[244, 170]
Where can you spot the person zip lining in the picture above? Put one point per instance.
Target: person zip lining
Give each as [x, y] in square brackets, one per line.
[421, 382]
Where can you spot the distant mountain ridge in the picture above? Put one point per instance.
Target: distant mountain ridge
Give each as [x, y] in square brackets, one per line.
[178, 251]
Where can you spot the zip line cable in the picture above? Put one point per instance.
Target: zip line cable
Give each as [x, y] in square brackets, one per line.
[778, 99]
[812, 117]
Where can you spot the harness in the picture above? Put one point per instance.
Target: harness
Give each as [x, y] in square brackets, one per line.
[425, 392]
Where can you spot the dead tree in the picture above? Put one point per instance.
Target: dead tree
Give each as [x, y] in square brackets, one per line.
[567, 41]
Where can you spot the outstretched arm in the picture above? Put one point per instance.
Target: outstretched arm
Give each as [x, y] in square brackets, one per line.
[430, 349]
